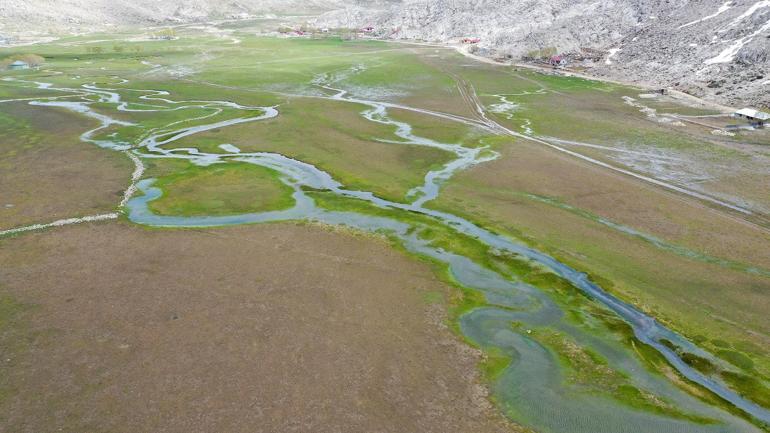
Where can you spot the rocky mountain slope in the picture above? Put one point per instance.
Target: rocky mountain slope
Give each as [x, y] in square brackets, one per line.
[719, 49]
[713, 48]
[16, 15]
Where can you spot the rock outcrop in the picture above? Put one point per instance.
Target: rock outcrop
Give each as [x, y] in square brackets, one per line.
[712, 48]
[16, 15]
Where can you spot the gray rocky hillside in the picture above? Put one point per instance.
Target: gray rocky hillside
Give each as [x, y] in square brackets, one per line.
[70, 14]
[714, 48]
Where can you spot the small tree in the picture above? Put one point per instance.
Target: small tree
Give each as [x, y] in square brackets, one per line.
[118, 48]
[165, 34]
[34, 60]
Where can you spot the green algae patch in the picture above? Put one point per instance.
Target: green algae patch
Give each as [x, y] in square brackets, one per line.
[226, 189]
[589, 371]
[737, 359]
[443, 130]
[333, 135]
[437, 234]
[749, 387]
[746, 386]
[493, 364]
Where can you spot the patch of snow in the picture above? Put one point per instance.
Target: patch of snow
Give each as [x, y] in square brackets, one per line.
[728, 54]
[722, 9]
[613, 51]
[749, 12]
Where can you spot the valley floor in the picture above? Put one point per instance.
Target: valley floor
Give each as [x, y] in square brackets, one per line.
[301, 234]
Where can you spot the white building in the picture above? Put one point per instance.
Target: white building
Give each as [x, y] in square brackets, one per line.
[753, 116]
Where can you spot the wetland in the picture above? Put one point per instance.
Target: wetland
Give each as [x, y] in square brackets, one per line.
[592, 292]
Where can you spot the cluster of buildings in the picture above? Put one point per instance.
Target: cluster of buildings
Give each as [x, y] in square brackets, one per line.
[345, 33]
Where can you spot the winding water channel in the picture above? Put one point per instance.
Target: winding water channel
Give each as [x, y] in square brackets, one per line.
[532, 388]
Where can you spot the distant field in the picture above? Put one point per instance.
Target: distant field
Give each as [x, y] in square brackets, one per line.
[337, 139]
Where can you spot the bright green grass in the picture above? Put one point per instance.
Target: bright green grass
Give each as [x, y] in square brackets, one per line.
[16, 129]
[439, 236]
[621, 264]
[335, 138]
[493, 364]
[404, 68]
[441, 130]
[749, 386]
[221, 189]
[286, 64]
[323, 134]
[588, 370]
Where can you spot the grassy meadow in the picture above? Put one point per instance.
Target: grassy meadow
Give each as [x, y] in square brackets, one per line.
[701, 270]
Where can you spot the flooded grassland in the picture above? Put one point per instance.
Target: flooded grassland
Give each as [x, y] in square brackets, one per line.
[603, 294]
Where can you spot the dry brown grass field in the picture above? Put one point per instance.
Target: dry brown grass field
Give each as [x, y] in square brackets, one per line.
[256, 329]
[47, 173]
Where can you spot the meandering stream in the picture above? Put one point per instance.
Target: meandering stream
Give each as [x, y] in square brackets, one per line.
[532, 388]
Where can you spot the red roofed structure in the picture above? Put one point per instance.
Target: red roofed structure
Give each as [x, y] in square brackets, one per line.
[557, 61]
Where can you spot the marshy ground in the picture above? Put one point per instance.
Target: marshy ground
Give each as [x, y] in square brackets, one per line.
[113, 326]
